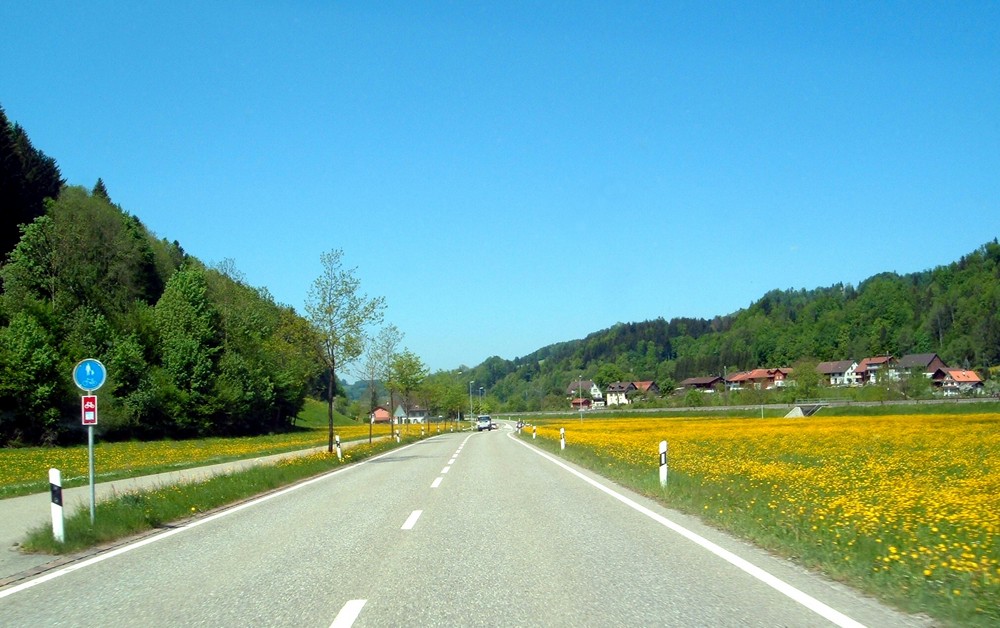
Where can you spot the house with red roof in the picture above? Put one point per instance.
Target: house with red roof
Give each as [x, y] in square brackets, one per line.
[380, 415]
[761, 379]
[870, 370]
[957, 381]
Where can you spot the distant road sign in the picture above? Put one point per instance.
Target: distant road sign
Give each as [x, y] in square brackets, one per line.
[89, 374]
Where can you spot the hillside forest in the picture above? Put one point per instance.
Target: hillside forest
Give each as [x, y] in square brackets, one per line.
[193, 350]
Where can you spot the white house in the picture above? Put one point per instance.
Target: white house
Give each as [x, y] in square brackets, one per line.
[839, 372]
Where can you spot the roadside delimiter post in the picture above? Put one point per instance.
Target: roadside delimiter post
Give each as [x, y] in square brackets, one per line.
[55, 485]
[663, 463]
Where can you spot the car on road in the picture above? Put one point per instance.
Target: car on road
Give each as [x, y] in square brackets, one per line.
[484, 422]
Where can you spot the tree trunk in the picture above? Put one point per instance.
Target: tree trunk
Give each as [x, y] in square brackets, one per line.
[329, 407]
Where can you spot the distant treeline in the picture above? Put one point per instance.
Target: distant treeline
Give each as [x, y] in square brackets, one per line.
[952, 310]
[194, 351]
[189, 350]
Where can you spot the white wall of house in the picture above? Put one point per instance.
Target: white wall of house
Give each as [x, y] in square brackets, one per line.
[617, 399]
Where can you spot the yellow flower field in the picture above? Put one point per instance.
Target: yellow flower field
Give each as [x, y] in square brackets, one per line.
[909, 503]
[30, 466]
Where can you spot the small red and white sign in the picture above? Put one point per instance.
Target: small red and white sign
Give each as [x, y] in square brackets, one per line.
[89, 409]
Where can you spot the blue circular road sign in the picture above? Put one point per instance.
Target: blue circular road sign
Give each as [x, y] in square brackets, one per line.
[89, 374]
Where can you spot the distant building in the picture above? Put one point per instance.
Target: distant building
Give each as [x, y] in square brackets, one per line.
[927, 363]
[957, 381]
[871, 370]
[617, 394]
[380, 415]
[706, 384]
[761, 379]
[839, 372]
[584, 385]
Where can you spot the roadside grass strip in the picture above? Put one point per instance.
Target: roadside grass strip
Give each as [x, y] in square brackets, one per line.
[24, 471]
[905, 507]
[138, 511]
[386, 444]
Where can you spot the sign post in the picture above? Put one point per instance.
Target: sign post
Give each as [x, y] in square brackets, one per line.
[89, 375]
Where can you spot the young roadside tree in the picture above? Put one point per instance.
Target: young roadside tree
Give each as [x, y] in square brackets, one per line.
[408, 374]
[378, 354]
[340, 314]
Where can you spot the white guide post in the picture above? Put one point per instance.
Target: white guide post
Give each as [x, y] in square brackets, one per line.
[663, 463]
[562, 438]
[55, 486]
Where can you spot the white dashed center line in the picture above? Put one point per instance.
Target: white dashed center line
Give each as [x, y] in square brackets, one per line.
[412, 519]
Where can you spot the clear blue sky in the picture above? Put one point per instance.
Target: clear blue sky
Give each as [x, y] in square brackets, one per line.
[509, 175]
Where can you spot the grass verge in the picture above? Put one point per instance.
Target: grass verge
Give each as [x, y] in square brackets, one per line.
[904, 507]
[135, 512]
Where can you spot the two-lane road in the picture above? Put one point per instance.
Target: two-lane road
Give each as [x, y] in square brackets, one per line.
[465, 529]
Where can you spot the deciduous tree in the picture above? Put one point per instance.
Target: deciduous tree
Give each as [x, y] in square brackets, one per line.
[340, 313]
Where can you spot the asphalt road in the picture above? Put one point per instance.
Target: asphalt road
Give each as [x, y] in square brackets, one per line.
[464, 529]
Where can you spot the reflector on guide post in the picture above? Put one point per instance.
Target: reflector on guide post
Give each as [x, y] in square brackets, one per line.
[89, 403]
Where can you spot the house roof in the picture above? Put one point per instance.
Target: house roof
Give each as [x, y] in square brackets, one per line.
[963, 376]
[694, 381]
[836, 366]
[577, 384]
[644, 386]
[758, 374]
[917, 360]
[878, 360]
[620, 387]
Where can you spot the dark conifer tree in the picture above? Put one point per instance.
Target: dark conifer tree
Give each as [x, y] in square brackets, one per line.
[100, 191]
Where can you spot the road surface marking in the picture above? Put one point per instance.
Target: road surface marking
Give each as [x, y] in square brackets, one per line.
[446, 470]
[52, 575]
[452, 461]
[436, 483]
[347, 615]
[412, 519]
[772, 581]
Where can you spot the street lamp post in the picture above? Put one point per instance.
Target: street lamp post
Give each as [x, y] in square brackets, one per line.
[470, 397]
[480, 398]
[580, 395]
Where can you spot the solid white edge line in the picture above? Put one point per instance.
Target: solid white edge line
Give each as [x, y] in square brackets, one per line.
[772, 581]
[348, 614]
[188, 526]
[412, 520]
[436, 483]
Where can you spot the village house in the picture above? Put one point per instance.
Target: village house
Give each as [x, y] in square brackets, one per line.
[576, 387]
[705, 384]
[416, 414]
[871, 370]
[926, 363]
[617, 394]
[761, 379]
[839, 372]
[647, 388]
[380, 415]
[957, 381]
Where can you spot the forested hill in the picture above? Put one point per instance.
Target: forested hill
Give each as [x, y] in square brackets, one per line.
[952, 310]
[189, 350]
